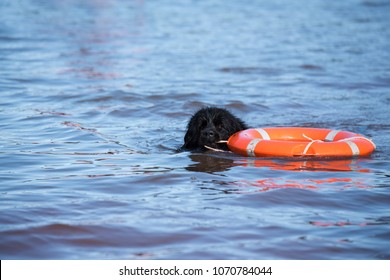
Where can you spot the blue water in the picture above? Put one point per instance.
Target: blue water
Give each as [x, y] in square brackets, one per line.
[95, 98]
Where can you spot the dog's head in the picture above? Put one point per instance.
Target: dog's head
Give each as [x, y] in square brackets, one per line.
[209, 126]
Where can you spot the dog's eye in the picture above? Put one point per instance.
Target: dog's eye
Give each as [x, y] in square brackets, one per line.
[203, 124]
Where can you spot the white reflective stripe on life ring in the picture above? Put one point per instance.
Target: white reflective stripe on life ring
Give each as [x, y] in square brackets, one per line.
[264, 134]
[331, 135]
[354, 148]
[250, 149]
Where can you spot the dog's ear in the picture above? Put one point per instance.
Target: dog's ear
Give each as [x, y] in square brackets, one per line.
[240, 125]
[192, 135]
[189, 140]
[233, 124]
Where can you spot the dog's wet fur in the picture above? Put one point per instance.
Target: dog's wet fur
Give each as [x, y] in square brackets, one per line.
[210, 125]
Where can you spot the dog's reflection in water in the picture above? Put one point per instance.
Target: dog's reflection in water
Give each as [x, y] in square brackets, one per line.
[209, 162]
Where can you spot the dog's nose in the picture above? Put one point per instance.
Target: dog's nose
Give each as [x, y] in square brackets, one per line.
[209, 134]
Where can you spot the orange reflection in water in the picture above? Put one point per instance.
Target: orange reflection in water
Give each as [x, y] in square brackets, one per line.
[307, 164]
[336, 224]
[313, 184]
[332, 166]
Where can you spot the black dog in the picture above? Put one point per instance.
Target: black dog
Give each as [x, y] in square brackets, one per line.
[209, 126]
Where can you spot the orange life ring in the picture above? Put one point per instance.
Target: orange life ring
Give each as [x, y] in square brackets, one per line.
[299, 141]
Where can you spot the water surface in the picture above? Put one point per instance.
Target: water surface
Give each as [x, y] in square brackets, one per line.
[95, 97]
